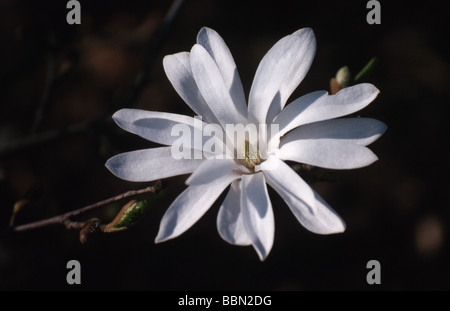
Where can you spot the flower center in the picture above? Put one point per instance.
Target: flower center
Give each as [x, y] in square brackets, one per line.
[251, 156]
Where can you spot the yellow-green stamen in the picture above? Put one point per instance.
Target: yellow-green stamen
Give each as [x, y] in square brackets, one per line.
[251, 156]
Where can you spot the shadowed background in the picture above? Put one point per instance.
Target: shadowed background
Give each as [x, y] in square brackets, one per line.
[396, 210]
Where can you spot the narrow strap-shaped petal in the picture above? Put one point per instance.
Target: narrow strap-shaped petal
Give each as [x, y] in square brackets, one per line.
[328, 153]
[178, 71]
[286, 119]
[190, 206]
[150, 164]
[217, 48]
[230, 222]
[296, 72]
[326, 220]
[287, 183]
[319, 106]
[359, 131]
[211, 170]
[280, 71]
[309, 208]
[257, 213]
[213, 88]
[158, 126]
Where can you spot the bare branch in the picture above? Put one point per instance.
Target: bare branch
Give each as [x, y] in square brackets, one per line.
[62, 219]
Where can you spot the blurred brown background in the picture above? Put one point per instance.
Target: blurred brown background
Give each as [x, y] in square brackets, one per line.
[396, 210]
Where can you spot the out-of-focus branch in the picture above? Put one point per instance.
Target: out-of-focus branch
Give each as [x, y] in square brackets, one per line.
[49, 83]
[20, 145]
[151, 52]
[38, 139]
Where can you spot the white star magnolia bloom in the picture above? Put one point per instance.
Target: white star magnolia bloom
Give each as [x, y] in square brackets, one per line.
[208, 81]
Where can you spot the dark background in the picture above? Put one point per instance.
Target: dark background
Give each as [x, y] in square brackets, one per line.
[396, 210]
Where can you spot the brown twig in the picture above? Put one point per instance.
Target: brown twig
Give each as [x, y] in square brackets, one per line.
[63, 218]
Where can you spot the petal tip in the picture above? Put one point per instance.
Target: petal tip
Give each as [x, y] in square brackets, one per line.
[174, 60]
[109, 165]
[375, 158]
[117, 115]
[166, 59]
[372, 88]
[203, 30]
[341, 227]
[197, 50]
[262, 255]
[384, 128]
[309, 30]
[305, 30]
[159, 240]
[162, 237]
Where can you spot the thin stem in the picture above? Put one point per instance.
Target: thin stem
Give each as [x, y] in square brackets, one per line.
[49, 83]
[60, 219]
[366, 71]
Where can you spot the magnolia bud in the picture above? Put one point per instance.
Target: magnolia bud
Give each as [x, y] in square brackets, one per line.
[343, 77]
[130, 213]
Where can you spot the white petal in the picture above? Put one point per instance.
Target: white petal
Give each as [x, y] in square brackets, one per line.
[325, 221]
[296, 72]
[179, 73]
[318, 107]
[190, 206]
[211, 170]
[328, 153]
[155, 126]
[359, 131]
[230, 219]
[257, 213]
[213, 88]
[307, 206]
[150, 164]
[280, 71]
[284, 180]
[216, 47]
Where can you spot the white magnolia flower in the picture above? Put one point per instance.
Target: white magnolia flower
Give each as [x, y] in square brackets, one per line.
[208, 81]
